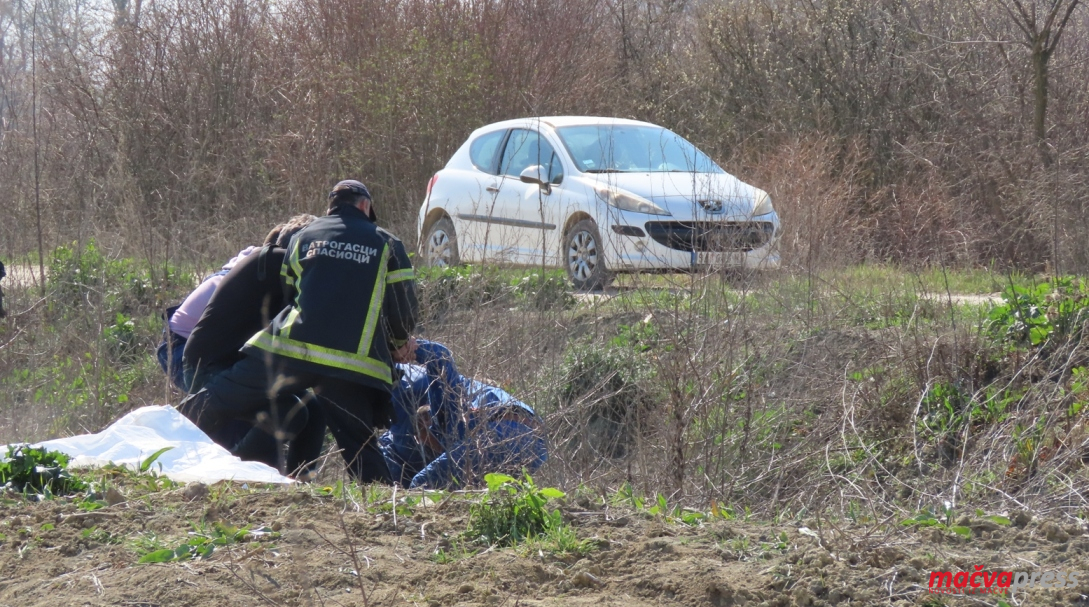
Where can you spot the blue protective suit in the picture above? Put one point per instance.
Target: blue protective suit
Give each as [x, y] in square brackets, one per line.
[464, 416]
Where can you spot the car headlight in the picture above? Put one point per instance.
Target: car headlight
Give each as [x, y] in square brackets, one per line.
[626, 201]
[762, 204]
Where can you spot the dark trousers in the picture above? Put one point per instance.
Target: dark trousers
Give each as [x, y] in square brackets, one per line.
[405, 457]
[264, 392]
[169, 355]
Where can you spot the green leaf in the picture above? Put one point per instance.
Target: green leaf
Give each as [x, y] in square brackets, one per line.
[90, 505]
[1001, 520]
[1038, 335]
[146, 464]
[961, 531]
[496, 481]
[552, 493]
[159, 556]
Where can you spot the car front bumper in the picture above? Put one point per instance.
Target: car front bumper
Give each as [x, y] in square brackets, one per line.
[693, 245]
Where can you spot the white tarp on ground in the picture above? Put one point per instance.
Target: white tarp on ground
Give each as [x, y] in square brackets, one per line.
[138, 435]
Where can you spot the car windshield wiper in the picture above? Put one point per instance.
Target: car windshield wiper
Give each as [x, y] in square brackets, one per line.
[604, 171]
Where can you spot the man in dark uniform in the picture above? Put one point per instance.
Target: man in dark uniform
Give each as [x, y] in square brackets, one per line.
[353, 298]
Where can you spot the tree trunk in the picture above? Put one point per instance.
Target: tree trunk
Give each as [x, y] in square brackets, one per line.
[1040, 58]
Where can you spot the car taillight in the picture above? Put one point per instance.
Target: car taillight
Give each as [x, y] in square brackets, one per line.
[431, 184]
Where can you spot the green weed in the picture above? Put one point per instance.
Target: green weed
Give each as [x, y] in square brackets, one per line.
[1034, 316]
[607, 389]
[932, 279]
[676, 514]
[513, 511]
[742, 548]
[945, 409]
[561, 540]
[144, 479]
[625, 496]
[945, 522]
[543, 290]
[99, 536]
[457, 553]
[123, 285]
[638, 337]
[203, 542]
[461, 287]
[35, 471]
[1079, 390]
[343, 491]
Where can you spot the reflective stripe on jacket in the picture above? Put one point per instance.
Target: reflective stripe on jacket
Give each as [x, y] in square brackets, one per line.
[353, 293]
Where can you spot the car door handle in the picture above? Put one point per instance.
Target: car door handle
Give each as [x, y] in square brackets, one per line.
[492, 189]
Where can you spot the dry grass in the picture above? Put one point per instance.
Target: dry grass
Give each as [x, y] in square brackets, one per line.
[788, 392]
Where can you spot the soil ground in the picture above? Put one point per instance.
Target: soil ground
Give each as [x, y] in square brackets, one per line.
[55, 554]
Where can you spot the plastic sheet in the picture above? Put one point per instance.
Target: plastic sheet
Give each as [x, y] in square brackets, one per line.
[138, 435]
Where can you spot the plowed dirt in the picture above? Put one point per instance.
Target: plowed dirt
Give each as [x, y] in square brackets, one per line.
[335, 551]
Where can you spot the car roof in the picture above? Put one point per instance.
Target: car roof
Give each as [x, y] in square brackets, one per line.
[560, 121]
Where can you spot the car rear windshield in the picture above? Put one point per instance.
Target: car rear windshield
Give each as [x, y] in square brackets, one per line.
[633, 149]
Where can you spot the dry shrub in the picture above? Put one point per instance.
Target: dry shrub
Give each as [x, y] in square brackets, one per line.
[919, 221]
[814, 184]
[1055, 212]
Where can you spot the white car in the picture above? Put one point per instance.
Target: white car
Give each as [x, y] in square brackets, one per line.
[595, 196]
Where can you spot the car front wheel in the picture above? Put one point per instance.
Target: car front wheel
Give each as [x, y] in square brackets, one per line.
[441, 245]
[584, 257]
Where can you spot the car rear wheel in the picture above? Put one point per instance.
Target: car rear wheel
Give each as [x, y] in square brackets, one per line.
[441, 245]
[584, 257]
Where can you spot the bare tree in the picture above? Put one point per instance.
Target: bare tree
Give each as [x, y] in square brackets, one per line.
[1043, 23]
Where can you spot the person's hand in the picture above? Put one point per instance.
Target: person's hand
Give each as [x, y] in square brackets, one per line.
[406, 354]
[423, 430]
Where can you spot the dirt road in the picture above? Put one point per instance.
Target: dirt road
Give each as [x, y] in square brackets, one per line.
[20, 276]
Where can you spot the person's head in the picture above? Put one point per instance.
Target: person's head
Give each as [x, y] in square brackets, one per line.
[292, 226]
[282, 233]
[273, 235]
[354, 194]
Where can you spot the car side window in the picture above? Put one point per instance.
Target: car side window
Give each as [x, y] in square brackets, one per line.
[482, 151]
[555, 169]
[527, 148]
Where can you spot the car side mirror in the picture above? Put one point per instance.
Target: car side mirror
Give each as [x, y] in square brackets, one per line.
[535, 174]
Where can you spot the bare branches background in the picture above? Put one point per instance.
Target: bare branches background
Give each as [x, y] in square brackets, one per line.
[171, 128]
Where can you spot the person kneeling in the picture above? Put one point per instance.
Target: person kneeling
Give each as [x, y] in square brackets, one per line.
[451, 430]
